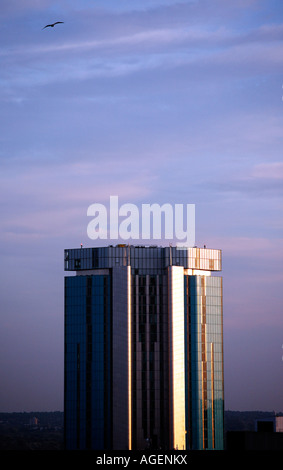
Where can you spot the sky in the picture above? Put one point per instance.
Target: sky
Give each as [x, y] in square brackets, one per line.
[155, 101]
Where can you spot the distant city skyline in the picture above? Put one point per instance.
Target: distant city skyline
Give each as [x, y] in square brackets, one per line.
[162, 101]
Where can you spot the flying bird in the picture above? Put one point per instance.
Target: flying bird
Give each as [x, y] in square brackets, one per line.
[52, 25]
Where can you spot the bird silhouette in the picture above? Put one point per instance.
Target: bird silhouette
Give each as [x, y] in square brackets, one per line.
[52, 25]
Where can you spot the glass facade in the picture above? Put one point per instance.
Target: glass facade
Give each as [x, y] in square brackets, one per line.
[144, 258]
[177, 357]
[150, 392]
[88, 372]
[143, 349]
[204, 365]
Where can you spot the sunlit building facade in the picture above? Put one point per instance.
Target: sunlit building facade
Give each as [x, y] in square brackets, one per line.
[143, 348]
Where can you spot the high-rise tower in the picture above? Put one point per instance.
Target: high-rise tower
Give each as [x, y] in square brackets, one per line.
[143, 348]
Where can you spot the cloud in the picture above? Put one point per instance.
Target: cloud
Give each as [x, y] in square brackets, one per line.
[14, 7]
[271, 171]
[51, 201]
[260, 248]
[251, 187]
[252, 276]
[263, 180]
[219, 51]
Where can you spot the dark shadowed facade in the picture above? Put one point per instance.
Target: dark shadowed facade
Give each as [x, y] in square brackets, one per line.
[143, 348]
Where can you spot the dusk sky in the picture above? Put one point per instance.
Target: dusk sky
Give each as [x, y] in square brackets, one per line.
[155, 101]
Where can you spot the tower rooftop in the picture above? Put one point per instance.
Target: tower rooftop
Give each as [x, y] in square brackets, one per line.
[142, 257]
